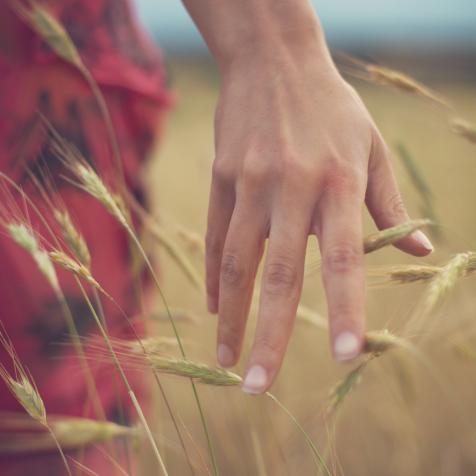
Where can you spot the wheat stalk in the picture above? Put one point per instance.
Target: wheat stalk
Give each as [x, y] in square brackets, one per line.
[385, 76]
[69, 264]
[91, 183]
[220, 377]
[71, 433]
[414, 273]
[380, 239]
[74, 239]
[50, 30]
[389, 236]
[25, 237]
[23, 388]
[403, 82]
[199, 372]
[446, 279]
[57, 38]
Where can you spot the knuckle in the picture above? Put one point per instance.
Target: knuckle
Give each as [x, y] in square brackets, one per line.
[342, 258]
[222, 172]
[343, 178]
[254, 173]
[281, 276]
[395, 206]
[232, 273]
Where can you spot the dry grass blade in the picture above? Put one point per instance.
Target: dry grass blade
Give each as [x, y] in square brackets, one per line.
[151, 345]
[177, 255]
[159, 233]
[131, 351]
[178, 314]
[197, 371]
[464, 129]
[305, 314]
[421, 185]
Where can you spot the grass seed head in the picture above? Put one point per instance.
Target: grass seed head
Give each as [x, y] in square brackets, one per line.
[403, 82]
[79, 432]
[339, 393]
[73, 266]
[73, 237]
[389, 236]
[446, 279]
[71, 433]
[21, 385]
[25, 237]
[50, 30]
[200, 372]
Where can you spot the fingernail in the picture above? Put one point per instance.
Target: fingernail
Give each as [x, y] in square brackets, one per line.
[423, 240]
[225, 356]
[346, 346]
[255, 381]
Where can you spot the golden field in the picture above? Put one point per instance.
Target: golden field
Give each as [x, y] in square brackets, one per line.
[408, 415]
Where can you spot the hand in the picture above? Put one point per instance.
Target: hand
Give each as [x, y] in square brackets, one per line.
[297, 153]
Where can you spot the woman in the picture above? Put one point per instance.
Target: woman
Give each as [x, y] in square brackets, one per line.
[128, 69]
[297, 153]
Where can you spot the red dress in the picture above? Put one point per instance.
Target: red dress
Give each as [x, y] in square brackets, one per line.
[128, 69]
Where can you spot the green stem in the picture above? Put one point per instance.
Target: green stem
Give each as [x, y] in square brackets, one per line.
[73, 330]
[319, 460]
[179, 342]
[122, 374]
[63, 457]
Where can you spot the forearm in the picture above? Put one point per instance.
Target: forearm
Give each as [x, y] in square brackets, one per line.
[263, 30]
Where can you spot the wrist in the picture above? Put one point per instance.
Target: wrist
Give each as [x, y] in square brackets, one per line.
[269, 32]
[300, 49]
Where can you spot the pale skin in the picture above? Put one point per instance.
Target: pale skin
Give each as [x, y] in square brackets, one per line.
[297, 154]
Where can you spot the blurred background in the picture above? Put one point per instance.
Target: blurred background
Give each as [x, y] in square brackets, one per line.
[426, 31]
[403, 419]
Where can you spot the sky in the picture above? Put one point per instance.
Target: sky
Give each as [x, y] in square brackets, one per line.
[384, 22]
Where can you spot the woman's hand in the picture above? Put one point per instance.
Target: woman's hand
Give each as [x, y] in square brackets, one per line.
[297, 153]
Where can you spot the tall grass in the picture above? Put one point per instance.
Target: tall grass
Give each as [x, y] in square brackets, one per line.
[156, 354]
